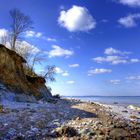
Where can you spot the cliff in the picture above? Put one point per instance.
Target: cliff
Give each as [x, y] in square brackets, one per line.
[13, 77]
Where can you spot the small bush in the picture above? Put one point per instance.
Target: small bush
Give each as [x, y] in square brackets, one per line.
[57, 96]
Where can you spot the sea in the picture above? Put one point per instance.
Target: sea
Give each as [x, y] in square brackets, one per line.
[117, 100]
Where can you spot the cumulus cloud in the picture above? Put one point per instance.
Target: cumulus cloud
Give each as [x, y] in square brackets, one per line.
[4, 36]
[62, 72]
[111, 59]
[115, 60]
[65, 73]
[51, 39]
[76, 18]
[98, 71]
[33, 34]
[57, 51]
[58, 70]
[115, 57]
[112, 51]
[23, 46]
[134, 60]
[74, 65]
[133, 77]
[115, 82]
[70, 82]
[130, 20]
[132, 3]
[3, 32]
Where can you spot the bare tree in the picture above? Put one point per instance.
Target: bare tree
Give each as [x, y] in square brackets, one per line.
[24, 49]
[20, 24]
[49, 76]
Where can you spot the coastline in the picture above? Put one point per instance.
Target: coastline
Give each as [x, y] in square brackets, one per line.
[68, 118]
[110, 100]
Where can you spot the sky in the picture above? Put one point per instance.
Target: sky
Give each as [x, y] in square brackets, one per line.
[94, 44]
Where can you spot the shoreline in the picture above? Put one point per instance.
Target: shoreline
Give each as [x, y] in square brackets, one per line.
[68, 118]
[120, 110]
[113, 101]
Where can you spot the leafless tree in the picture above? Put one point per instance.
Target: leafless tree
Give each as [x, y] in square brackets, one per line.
[24, 49]
[20, 24]
[50, 72]
[31, 62]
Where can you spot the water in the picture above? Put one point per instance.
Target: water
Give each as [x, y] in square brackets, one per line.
[118, 100]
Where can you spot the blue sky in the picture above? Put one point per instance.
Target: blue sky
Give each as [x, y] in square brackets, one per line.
[95, 44]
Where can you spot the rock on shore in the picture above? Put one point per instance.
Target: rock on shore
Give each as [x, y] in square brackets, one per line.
[66, 119]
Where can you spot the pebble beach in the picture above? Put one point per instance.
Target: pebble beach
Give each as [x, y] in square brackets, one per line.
[68, 119]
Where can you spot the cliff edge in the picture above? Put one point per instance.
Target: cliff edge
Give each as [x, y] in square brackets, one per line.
[14, 80]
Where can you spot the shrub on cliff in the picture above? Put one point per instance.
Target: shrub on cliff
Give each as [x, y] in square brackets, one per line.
[57, 96]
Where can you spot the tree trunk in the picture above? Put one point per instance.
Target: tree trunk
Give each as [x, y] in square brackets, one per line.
[14, 44]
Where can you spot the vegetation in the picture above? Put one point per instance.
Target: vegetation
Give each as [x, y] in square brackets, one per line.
[57, 96]
[49, 76]
[20, 24]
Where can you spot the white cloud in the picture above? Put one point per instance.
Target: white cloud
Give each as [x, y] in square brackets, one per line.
[130, 20]
[23, 47]
[3, 32]
[33, 34]
[65, 73]
[51, 39]
[115, 82]
[98, 71]
[115, 60]
[20, 45]
[133, 77]
[132, 3]
[115, 57]
[4, 36]
[58, 70]
[29, 34]
[134, 60]
[60, 52]
[111, 51]
[111, 59]
[74, 65]
[70, 82]
[40, 35]
[76, 19]
[62, 72]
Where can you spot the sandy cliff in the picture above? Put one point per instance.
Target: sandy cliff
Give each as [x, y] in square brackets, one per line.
[12, 76]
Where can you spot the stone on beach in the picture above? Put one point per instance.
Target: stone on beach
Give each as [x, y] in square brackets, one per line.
[64, 120]
[134, 107]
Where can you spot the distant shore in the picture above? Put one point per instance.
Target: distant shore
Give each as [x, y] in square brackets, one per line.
[117, 100]
[68, 118]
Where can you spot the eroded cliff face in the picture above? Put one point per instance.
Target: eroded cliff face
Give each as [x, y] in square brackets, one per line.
[8, 95]
[38, 85]
[11, 70]
[13, 77]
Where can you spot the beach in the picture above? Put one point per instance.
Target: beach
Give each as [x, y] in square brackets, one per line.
[68, 119]
[117, 100]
